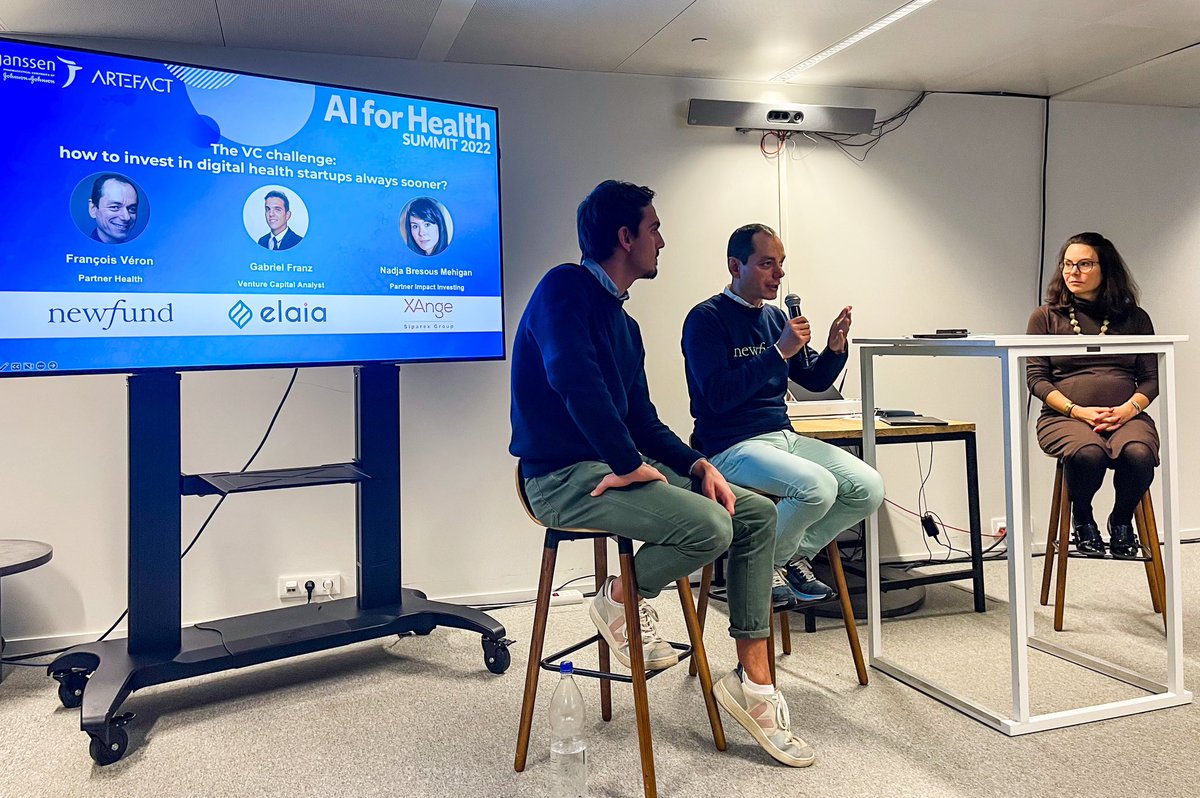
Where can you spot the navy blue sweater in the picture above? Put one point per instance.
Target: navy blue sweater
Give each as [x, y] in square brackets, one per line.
[579, 382]
[735, 375]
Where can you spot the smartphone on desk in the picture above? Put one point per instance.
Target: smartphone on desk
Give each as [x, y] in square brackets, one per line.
[953, 332]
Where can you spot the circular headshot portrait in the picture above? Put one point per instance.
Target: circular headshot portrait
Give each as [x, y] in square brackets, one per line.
[426, 226]
[110, 208]
[275, 217]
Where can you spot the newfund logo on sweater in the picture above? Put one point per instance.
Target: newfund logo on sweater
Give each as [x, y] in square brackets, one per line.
[749, 351]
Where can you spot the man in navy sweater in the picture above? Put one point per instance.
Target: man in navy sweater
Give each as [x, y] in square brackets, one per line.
[739, 354]
[594, 454]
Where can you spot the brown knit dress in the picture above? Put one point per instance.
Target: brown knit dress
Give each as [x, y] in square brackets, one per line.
[1091, 381]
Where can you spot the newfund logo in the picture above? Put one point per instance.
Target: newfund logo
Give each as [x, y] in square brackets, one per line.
[242, 314]
[119, 312]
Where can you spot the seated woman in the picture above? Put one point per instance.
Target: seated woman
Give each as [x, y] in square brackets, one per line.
[1092, 415]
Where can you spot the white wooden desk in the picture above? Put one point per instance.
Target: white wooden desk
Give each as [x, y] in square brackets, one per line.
[1012, 351]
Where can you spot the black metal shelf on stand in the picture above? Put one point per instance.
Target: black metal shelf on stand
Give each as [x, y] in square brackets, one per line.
[98, 677]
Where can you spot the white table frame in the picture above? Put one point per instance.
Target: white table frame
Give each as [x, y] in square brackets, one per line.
[1012, 351]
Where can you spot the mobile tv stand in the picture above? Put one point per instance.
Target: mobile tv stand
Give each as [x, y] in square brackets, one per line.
[98, 677]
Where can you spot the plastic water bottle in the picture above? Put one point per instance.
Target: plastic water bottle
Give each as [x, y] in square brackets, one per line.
[568, 748]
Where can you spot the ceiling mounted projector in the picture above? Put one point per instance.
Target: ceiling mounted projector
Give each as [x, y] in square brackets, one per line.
[780, 116]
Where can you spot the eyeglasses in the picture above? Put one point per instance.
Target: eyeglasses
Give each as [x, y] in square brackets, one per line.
[1084, 266]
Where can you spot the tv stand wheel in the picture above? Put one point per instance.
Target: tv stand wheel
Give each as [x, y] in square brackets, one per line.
[71, 685]
[495, 654]
[106, 753]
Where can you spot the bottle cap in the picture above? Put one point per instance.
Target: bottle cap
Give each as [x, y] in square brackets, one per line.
[566, 667]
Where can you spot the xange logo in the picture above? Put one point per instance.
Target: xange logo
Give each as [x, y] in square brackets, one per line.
[242, 314]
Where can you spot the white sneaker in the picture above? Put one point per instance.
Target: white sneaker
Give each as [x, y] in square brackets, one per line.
[766, 718]
[610, 622]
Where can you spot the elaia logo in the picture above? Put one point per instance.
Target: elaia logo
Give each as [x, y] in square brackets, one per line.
[241, 314]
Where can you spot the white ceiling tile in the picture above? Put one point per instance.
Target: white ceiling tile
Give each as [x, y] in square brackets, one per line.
[932, 48]
[363, 27]
[1046, 67]
[1019, 46]
[591, 35]
[163, 20]
[1069, 10]
[1162, 14]
[751, 40]
[1170, 80]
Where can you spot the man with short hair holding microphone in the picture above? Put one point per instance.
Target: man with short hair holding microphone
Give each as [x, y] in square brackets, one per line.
[739, 353]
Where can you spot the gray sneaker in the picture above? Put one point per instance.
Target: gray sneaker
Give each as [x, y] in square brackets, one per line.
[766, 718]
[804, 583]
[610, 622]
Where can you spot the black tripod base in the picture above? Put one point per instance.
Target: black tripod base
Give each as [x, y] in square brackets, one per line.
[98, 677]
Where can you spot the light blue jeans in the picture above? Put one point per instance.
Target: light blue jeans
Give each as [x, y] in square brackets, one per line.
[822, 490]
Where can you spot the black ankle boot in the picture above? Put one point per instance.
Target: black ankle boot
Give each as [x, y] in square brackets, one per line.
[1121, 540]
[1088, 541]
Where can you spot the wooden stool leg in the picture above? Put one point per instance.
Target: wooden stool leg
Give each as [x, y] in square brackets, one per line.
[1064, 543]
[700, 659]
[1155, 549]
[600, 556]
[1051, 546]
[637, 665]
[1155, 553]
[1143, 530]
[771, 646]
[536, 640]
[839, 584]
[706, 578]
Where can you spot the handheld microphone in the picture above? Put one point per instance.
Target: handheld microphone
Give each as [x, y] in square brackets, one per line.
[793, 305]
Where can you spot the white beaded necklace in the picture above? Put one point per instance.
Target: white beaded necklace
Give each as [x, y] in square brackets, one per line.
[1075, 324]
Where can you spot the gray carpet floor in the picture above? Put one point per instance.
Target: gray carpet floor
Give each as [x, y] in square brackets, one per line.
[420, 716]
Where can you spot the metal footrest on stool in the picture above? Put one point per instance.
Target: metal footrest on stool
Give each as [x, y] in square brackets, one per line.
[551, 662]
[1143, 557]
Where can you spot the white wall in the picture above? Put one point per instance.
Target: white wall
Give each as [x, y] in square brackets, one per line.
[937, 228]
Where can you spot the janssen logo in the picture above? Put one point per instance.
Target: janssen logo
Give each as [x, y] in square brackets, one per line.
[242, 314]
[119, 312]
[29, 70]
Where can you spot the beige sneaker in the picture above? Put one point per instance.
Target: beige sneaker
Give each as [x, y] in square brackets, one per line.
[610, 622]
[766, 718]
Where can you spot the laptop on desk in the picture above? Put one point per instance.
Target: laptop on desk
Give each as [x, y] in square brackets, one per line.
[823, 404]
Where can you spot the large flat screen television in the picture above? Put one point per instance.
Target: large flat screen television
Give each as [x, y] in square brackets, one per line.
[179, 217]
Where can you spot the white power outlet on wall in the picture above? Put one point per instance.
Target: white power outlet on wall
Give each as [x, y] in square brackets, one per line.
[326, 584]
[999, 525]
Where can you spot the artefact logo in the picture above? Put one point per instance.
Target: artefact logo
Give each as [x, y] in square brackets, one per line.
[72, 69]
[241, 314]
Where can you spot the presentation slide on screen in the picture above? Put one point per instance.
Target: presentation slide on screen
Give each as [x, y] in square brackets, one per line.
[176, 216]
